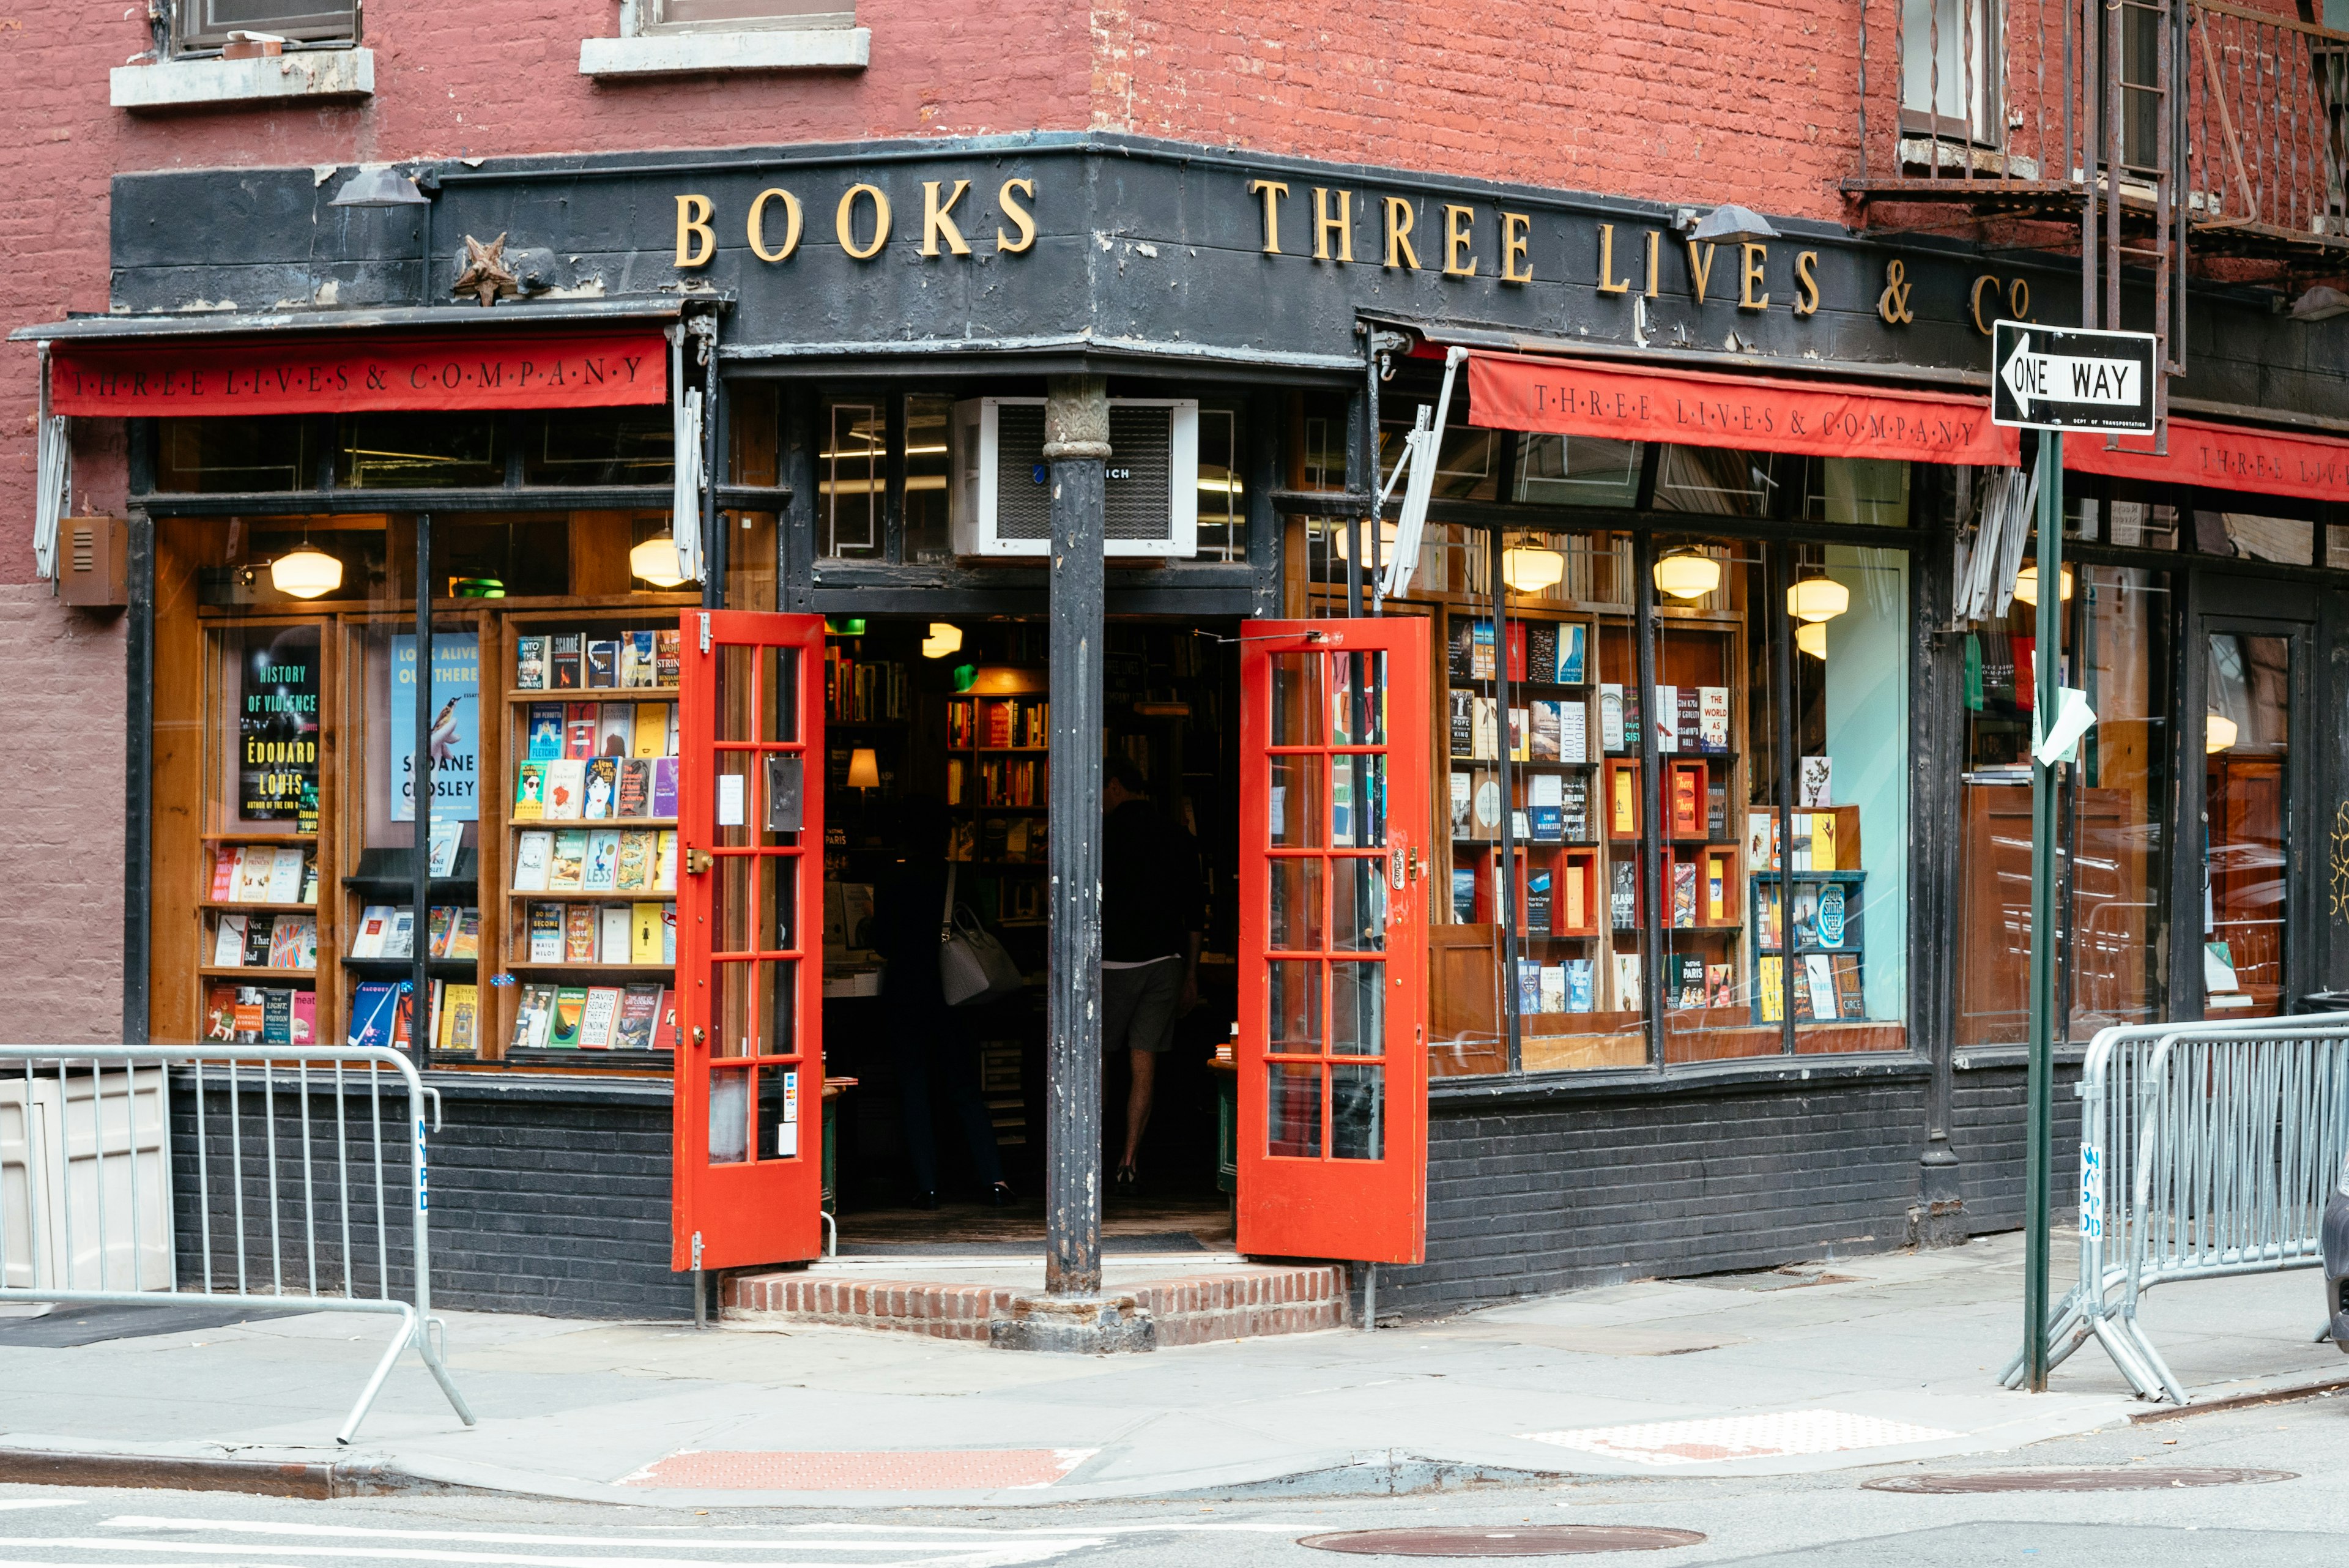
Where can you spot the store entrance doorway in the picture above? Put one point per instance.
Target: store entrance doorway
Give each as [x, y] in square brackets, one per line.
[938, 746]
[2255, 674]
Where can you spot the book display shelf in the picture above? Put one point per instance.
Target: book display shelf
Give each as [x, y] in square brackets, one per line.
[998, 795]
[585, 829]
[1575, 871]
[375, 852]
[262, 936]
[1703, 745]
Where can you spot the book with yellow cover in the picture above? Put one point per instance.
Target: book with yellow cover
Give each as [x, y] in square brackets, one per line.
[460, 1009]
[1823, 841]
[645, 933]
[652, 730]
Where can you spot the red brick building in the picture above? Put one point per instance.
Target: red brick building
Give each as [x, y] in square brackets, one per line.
[1286, 226]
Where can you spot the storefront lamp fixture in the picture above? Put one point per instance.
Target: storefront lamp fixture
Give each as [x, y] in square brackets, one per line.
[305, 572]
[1339, 533]
[654, 561]
[1818, 599]
[2027, 585]
[1811, 638]
[1685, 575]
[1730, 224]
[382, 186]
[1531, 568]
[944, 638]
[2219, 733]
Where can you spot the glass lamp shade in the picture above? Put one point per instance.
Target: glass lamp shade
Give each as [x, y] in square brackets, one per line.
[1811, 637]
[864, 769]
[1685, 575]
[1531, 568]
[655, 561]
[2219, 733]
[1818, 599]
[944, 638]
[305, 572]
[1339, 533]
[2027, 585]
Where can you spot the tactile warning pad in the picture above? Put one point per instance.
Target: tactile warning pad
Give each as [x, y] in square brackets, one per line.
[1773, 1435]
[941, 1469]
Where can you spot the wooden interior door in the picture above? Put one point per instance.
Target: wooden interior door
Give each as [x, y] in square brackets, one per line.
[1335, 868]
[747, 1186]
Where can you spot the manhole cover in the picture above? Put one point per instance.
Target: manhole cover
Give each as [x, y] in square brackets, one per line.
[1527, 1541]
[2128, 1480]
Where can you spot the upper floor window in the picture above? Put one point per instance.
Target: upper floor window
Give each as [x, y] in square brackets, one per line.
[203, 27]
[734, 15]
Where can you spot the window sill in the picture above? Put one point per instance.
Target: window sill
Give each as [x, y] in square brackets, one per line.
[768, 49]
[202, 84]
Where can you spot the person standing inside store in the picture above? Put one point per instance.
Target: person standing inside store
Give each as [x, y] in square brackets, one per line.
[930, 1043]
[1151, 919]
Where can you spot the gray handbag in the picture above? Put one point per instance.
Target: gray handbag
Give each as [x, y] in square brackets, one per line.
[973, 966]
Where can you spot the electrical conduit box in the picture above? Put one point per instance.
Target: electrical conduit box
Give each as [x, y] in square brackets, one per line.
[999, 503]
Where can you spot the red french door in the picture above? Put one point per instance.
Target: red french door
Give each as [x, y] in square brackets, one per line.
[1334, 871]
[748, 1137]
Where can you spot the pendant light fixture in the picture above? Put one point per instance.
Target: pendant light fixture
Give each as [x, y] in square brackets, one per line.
[305, 572]
[1811, 638]
[1686, 574]
[1818, 599]
[1339, 533]
[654, 560]
[1531, 568]
[944, 638]
[2027, 585]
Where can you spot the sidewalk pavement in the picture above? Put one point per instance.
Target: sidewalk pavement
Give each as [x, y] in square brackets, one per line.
[1849, 1363]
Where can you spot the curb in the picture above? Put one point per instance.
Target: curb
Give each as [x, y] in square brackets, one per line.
[2252, 1400]
[191, 1472]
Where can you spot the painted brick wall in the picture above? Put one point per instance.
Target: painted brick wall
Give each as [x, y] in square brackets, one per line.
[1752, 100]
[550, 1202]
[1533, 1200]
[1987, 1109]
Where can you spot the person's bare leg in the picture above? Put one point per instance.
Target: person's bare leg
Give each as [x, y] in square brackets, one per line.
[1137, 1101]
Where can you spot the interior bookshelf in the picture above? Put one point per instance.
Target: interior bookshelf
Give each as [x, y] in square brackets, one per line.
[583, 827]
[998, 794]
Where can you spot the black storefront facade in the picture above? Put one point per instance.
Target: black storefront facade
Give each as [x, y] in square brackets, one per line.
[1698, 1108]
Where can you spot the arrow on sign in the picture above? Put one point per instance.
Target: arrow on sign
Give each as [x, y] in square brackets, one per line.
[2067, 379]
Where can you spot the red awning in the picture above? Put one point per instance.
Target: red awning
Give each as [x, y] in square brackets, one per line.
[2224, 457]
[291, 375]
[1753, 414]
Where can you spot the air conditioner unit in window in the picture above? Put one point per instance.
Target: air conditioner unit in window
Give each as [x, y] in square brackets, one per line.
[1000, 503]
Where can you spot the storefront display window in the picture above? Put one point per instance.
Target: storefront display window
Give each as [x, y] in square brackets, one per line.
[1716, 832]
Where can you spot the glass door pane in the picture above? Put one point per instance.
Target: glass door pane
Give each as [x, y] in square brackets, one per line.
[2247, 737]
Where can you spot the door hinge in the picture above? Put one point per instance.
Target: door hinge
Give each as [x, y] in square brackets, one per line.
[696, 1248]
[705, 631]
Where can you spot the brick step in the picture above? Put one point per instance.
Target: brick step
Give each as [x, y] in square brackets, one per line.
[1238, 1302]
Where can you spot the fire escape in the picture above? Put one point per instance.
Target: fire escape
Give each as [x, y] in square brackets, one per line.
[2155, 139]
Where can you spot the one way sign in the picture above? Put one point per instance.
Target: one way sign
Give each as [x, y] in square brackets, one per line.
[2057, 379]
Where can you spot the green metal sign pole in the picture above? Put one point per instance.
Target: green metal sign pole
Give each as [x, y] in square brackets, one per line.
[2038, 1144]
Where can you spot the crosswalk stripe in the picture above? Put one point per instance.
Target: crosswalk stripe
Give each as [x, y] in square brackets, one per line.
[960, 1554]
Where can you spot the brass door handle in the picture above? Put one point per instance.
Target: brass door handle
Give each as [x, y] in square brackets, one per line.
[697, 861]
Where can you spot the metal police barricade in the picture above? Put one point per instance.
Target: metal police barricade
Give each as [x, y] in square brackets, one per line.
[265, 1169]
[2206, 1150]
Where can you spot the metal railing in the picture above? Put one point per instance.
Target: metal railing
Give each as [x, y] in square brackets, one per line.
[2206, 1150]
[2223, 121]
[2265, 123]
[265, 1169]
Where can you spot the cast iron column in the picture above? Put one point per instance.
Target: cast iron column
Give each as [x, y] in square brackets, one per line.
[1076, 445]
